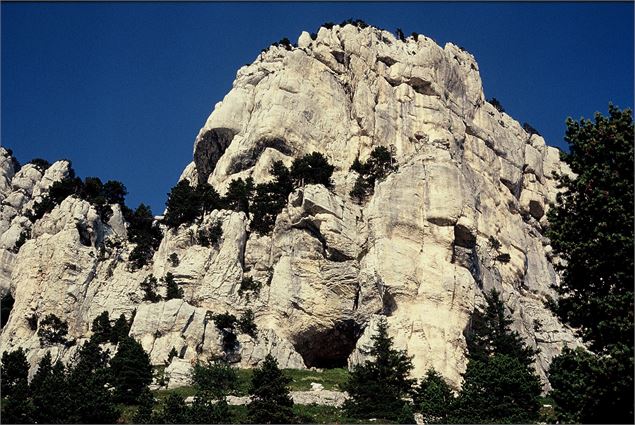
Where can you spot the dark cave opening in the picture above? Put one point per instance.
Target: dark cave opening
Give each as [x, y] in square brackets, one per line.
[328, 348]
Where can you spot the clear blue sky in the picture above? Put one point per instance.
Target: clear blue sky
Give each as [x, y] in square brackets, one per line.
[122, 89]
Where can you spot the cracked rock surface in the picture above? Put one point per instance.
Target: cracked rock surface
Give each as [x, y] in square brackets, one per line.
[417, 251]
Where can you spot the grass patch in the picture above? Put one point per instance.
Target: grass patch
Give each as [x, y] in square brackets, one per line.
[318, 414]
[331, 379]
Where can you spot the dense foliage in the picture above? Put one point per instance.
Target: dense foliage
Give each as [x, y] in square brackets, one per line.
[52, 330]
[270, 399]
[6, 305]
[500, 384]
[131, 370]
[377, 388]
[186, 204]
[591, 228]
[433, 398]
[173, 290]
[379, 164]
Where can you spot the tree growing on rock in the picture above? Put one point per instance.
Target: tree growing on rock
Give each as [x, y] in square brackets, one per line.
[376, 168]
[271, 402]
[173, 290]
[312, 168]
[52, 330]
[377, 388]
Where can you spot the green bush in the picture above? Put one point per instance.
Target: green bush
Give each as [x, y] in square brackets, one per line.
[270, 398]
[52, 330]
[40, 164]
[173, 290]
[186, 204]
[379, 164]
[149, 286]
[131, 370]
[312, 169]
[247, 325]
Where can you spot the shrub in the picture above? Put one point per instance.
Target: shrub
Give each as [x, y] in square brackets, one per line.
[210, 236]
[172, 354]
[530, 129]
[215, 379]
[41, 164]
[6, 305]
[173, 290]
[379, 164]
[246, 324]
[52, 330]
[496, 104]
[248, 284]
[226, 324]
[174, 259]
[32, 320]
[400, 35]
[149, 286]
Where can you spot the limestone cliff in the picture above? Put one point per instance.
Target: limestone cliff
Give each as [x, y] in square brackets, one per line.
[418, 251]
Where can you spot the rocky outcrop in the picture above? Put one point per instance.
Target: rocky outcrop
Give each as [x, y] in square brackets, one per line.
[419, 251]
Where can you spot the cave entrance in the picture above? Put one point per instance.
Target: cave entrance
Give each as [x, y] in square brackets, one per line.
[328, 348]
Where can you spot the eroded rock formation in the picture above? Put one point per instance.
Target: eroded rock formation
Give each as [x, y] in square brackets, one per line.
[418, 250]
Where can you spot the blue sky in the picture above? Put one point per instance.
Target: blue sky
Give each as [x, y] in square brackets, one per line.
[122, 89]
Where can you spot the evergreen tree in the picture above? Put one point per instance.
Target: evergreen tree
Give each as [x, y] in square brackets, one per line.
[50, 395]
[377, 388]
[173, 290]
[131, 370]
[491, 333]
[17, 407]
[182, 205]
[6, 305]
[15, 371]
[270, 399]
[101, 328]
[433, 398]
[144, 414]
[591, 228]
[89, 397]
[270, 199]
[238, 194]
[500, 385]
[173, 411]
[313, 168]
[44, 370]
[120, 330]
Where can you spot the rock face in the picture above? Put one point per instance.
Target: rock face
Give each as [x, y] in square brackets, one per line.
[418, 251]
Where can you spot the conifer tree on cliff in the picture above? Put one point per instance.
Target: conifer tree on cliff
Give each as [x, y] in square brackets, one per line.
[591, 228]
[377, 387]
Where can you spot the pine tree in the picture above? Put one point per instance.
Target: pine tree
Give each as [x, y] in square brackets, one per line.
[377, 388]
[131, 370]
[120, 330]
[50, 395]
[101, 328]
[14, 371]
[173, 411]
[591, 228]
[89, 399]
[433, 398]
[270, 399]
[144, 414]
[173, 290]
[238, 194]
[313, 168]
[500, 385]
